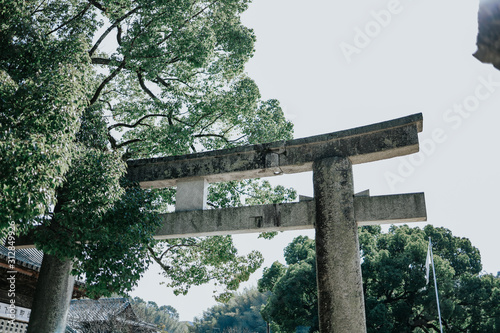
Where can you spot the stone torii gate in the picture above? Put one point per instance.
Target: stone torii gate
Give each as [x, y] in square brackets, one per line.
[335, 212]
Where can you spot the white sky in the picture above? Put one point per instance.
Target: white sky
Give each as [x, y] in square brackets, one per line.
[418, 60]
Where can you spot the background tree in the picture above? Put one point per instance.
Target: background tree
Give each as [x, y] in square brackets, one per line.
[397, 298]
[240, 314]
[165, 317]
[88, 84]
[293, 302]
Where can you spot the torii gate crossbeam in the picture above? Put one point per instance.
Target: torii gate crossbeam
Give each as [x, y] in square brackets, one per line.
[363, 144]
[385, 209]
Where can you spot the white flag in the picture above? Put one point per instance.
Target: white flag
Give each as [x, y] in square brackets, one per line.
[428, 262]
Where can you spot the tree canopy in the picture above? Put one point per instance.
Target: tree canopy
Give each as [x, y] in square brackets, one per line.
[88, 84]
[397, 298]
[293, 302]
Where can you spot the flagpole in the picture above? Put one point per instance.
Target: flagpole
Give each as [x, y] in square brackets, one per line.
[435, 285]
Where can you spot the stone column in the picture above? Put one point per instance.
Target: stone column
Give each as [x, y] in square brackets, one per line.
[340, 288]
[191, 195]
[52, 296]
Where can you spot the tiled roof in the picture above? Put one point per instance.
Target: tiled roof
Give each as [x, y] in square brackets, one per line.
[105, 309]
[96, 310]
[29, 258]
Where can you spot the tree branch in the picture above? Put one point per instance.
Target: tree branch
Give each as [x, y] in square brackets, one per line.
[212, 135]
[106, 81]
[138, 122]
[193, 244]
[119, 35]
[139, 34]
[111, 27]
[38, 7]
[211, 123]
[109, 105]
[238, 139]
[97, 5]
[163, 82]
[150, 93]
[158, 260]
[123, 144]
[186, 21]
[200, 119]
[71, 19]
[229, 129]
[100, 61]
[112, 141]
[201, 11]
[180, 121]
[146, 89]
[174, 60]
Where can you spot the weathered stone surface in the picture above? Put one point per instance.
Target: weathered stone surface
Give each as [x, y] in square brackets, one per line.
[363, 144]
[191, 195]
[386, 209]
[288, 216]
[52, 296]
[249, 219]
[488, 38]
[340, 286]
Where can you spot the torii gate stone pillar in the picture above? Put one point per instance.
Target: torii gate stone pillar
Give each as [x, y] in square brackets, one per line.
[340, 287]
[335, 212]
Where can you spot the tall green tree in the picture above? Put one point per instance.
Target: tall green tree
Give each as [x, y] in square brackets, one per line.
[87, 84]
[293, 302]
[42, 92]
[397, 298]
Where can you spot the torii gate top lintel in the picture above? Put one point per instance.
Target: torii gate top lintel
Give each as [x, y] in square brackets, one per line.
[362, 144]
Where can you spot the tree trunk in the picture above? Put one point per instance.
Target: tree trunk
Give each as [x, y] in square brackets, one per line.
[52, 296]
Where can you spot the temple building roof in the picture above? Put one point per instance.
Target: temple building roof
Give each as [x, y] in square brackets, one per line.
[28, 258]
[106, 314]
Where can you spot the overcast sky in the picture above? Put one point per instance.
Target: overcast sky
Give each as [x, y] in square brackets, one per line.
[336, 65]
